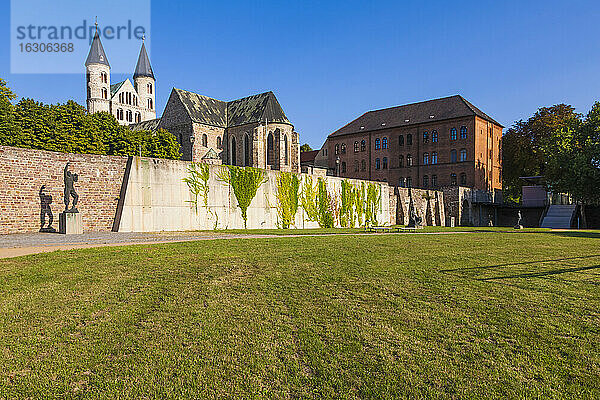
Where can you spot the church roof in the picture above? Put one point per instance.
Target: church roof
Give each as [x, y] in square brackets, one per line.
[143, 67]
[150, 125]
[96, 54]
[211, 154]
[114, 88]
[242, 111]
[415, 113]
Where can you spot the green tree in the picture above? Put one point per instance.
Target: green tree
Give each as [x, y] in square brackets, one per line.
[7, 124]
[305, 147]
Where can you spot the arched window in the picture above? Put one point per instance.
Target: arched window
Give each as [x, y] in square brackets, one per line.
[232, 152]
[434, 136]
[453, 134]
[425, 137]
[385, 163]
[135, 101]
[121, 98]
[104, 77]
[400, 140]
[384, 143]
[356, 166]
[363, 165]
[344, 166]
[463, 132]
[409, 182]
[363, 145]
[463, 179]
[246, 150]
[356, 147]
[409, 161]
[463, 155]
[149, 88]
[129, 115]
[343, 148]
[286, 156]
[128, 98]
[434, 157]
[425, 158]
[433, 180]
[377, 163]
[138, 117]
[120, 114]
[377, 144]
[150, 104]
[104, 93]
[337, 149]
[453, 156]
[270, 150]
[409, 139]
[219, 142]
[401, 182]
[425, 181]
[204, 140]
[400, 161]
[453, 179]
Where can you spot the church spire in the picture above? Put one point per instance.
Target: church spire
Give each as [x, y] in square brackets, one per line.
[143, 67]
[97, 54]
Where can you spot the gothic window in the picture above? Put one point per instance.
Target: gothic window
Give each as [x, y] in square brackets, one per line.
[400, 140]
[343, 166]
[343, 148]
[377, 163]
[150, 104]
[463, 155]
[453, 156]
[425, 158]
[356, 147]
[363, 165]
[104, 93]
[409, 140]
[453, 134]
[453, 179]
[385, 164]
[363, 145]
[204, 140]
[377, 144]
[247, 150]
[356, 166]
[425, 181]
[425, 137]
[286, 156]
[400, 161]
[434, 136]
[104, 77]
[337, 149]
[219, 143]
[434, 157]
[149, 88]
[433, 180]
[463, 179]
[409, 161]
[463, 132]
[270, 150]
[384, 143]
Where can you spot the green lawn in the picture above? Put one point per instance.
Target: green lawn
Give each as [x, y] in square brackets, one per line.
[469, 315]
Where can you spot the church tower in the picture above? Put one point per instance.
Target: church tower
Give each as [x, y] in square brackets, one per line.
[145, 84]
[97, 77]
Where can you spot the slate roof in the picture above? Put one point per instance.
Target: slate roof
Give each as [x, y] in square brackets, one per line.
[242, 111]
[96, 54]
[308, 156]
[150, 125]
[143, 67]
[114, 88]
[415, 113]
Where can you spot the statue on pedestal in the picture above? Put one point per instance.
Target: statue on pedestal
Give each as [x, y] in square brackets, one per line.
[70, 179]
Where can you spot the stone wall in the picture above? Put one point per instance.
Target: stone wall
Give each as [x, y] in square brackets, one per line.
[428, 204]
[24, 171]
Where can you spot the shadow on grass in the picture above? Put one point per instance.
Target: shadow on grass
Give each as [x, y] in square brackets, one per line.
[577, 234]
[540, 274]
[520, 263]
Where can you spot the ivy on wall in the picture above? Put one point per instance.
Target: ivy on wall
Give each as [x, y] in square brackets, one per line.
[372, 204]
[197, 182]
[359, 201]
[308, 199]
[288, 185]
[348, 197]
[245, 182]
[324, 205]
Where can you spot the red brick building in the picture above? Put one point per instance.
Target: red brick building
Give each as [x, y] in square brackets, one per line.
[435, 143]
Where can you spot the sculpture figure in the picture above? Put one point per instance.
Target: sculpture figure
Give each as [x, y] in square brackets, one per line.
[519, 220]
[45, 210]
[70, 179]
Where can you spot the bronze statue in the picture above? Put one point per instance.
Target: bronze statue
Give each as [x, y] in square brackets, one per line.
[70, 179]
[45, 201]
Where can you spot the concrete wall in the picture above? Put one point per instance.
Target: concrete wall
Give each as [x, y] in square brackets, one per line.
[428, 204]
[157, 199]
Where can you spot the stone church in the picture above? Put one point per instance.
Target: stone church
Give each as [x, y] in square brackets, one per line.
[251, 131]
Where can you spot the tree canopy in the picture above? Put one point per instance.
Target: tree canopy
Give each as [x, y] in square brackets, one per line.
[305, 147]
[69, 128]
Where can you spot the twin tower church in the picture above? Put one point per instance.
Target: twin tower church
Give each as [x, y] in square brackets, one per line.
[251, 131]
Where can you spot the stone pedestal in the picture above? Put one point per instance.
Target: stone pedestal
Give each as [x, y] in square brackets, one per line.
[70, 223]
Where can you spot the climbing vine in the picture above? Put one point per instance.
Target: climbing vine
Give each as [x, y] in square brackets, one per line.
[288, 185]
[348, 197]
[308, 199]
[197, 182]
[245, 182]
[324, 205]
[359, 201]
[372, 204]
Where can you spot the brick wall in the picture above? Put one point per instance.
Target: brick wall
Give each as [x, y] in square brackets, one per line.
[24, 171]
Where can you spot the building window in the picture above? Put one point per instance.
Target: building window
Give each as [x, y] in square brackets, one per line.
[135, 101]
[409, 162]
[377, 163]
[219, 143]
[286, 154]
[401, 182]
[425, 137]
[363, 165]
[463, 179]
[121, 98]
[356, 147]
[400, 161]
[453, 156]
[425, 158]
[384, 143]
[433, 180]
[363, 145]
[463, 155]
[204, 140]
[356, 166]
[150, 104]
[385, 163]
[129, 115]
[149, 88]
[453, 134]
[120, 114]
[138, 117]
[377, 144]
[104, 77]
[337, 149]
[343, 166]
[453, 179]
[343, 148]
[408, 182]
[463, 132]
[434, 136]
[409, 140]
[400, 140]
[425, 181]
[434, 157]
[104, 93]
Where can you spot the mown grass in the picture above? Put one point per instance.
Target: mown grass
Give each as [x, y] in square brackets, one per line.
[473, 315]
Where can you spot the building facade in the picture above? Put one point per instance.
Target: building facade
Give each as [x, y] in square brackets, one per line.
[431, 144]
[128, 102]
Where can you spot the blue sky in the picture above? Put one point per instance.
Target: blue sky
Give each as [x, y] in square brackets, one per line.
[328, 62]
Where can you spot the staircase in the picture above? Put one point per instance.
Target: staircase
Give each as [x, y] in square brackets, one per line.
[559, 216]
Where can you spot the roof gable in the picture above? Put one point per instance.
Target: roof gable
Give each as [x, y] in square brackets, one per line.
[123, 86]
[203, 109]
